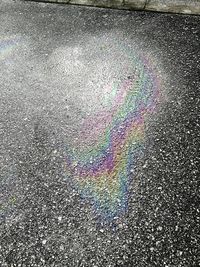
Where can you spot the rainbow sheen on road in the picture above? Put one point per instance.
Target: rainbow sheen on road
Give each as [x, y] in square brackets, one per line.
[111, 142]
[7, 46]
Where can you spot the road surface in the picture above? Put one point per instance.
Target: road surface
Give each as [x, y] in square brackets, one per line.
[99, 137]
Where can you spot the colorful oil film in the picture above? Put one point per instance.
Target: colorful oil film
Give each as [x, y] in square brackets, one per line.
[7, 46]
[103, 163]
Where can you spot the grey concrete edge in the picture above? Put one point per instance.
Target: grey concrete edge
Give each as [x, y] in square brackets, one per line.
[192, 7]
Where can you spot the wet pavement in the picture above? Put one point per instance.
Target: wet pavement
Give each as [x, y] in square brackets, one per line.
[99, 137]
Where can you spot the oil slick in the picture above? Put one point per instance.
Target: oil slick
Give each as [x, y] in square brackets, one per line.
[101, 165]
[7, 46]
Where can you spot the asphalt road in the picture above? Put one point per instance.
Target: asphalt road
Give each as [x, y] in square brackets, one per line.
[99, 137]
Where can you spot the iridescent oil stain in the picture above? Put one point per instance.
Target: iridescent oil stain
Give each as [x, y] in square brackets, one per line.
[7, 46]
[111, 142]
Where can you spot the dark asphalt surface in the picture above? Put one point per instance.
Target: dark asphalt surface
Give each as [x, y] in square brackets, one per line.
[58, 69]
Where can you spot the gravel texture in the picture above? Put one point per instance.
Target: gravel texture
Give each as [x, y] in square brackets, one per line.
[58, 67]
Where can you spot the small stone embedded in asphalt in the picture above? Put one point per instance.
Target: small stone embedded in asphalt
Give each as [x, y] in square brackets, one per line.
[44, 242]
[66, 77]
